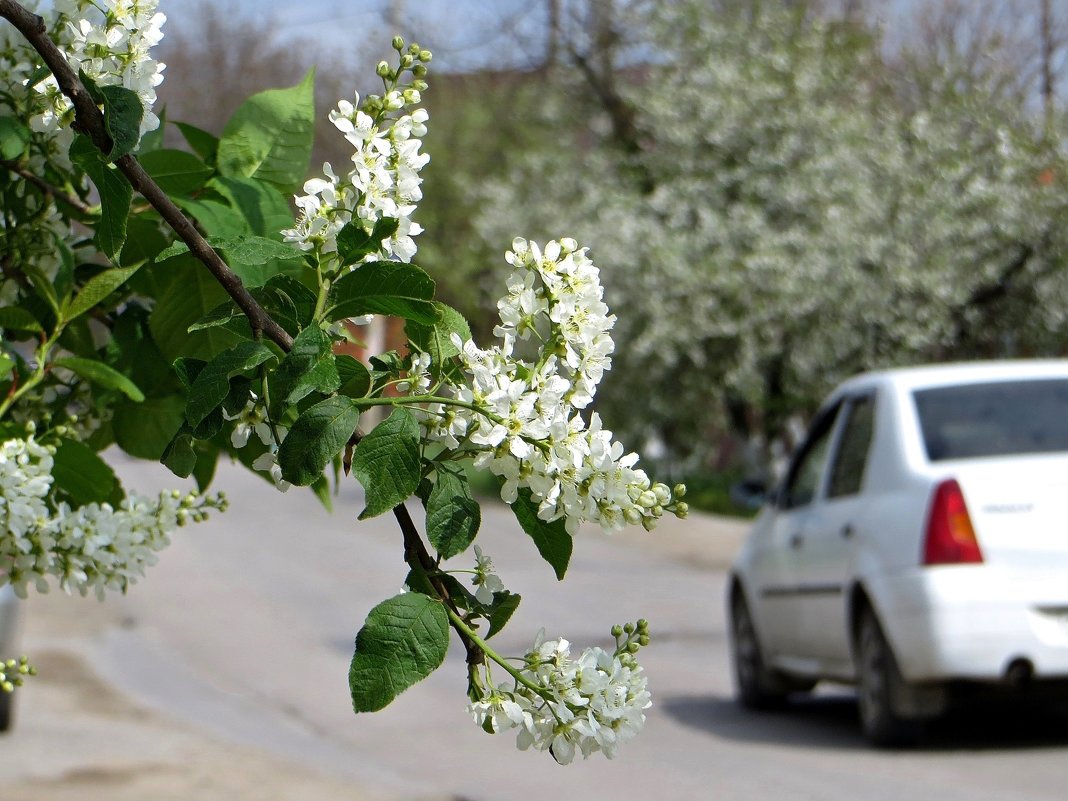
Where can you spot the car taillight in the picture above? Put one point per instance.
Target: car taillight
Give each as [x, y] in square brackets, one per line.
[950, 536]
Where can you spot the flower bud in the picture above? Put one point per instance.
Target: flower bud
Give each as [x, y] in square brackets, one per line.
[633, 647]
[679, 491]
[643, 626]
[398, 43]
[425, 56]
[383, 70]
[663, 494]
[628, 628]
[682, 509]
[617, 630]
[418, 70]
[411, 97]
[406, 61]
[647, 499]
[643, 640]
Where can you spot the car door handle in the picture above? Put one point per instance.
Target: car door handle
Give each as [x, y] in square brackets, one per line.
[796, 540]
[847, 531]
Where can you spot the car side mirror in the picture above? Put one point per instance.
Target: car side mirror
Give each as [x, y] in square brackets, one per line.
[751, 494]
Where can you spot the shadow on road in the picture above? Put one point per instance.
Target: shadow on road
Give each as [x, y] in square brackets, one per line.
[830, 721]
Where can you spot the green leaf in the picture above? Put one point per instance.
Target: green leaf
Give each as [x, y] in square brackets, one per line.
[190, 294]
[179, 455]
[216, 218]
[15, 318]
[354, 243]
[102, 374]
[250, 257]
[14, 137]
[270, 136]
[207, 460]
[42, 285]
[315, 438]
[386, 463]
[115, 191]
[452, 515]
[96, 289]
[176, 172]
[402, 642]
[212, 385]
[204, 144]
[504, 606]
[321, 488]
[145, 429]
[308, 367]
[436, 339]
[82, 475]
[551, 539]
[144, 240]
[265, 209]
[354, 377]
[384, 287]
[7, 364]
[122, 115]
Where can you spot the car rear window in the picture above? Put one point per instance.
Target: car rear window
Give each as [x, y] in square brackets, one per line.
[994, 419]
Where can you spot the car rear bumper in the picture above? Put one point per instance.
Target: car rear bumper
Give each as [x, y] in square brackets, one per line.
[975, 621]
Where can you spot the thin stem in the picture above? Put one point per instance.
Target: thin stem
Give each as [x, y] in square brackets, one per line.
[54, 192]
[35, 378]
[487, 649]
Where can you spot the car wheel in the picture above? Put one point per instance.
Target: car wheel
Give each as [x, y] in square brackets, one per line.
[879, 682]
[758, 687]
[7, 710]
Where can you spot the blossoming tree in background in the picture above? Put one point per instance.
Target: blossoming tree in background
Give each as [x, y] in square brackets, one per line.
[775, 207]
[196, 319]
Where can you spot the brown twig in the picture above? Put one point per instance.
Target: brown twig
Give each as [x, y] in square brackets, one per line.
[417, 556]
[90, 121]
[54, 192]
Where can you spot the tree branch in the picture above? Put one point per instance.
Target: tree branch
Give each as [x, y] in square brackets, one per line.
[416, 555]
[90, 121]
[54, 192]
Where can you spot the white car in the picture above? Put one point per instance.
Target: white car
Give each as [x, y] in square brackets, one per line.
[917, 544]
[10, 607]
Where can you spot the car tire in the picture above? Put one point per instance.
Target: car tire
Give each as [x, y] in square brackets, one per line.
[7, 710]
[879, 682]
[757, 687]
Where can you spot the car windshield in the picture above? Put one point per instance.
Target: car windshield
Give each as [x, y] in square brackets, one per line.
[994, 419]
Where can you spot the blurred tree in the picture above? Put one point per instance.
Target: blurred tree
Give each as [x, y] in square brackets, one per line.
[774, 209]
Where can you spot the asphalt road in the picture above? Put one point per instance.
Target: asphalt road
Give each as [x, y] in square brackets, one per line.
[243, 632]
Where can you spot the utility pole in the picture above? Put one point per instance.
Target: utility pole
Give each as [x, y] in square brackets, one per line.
[552, 51]
[1047, 63]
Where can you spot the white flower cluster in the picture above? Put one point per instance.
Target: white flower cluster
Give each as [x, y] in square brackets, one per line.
[253, 419]
[590, 704]
[94, 547]
[524, 416]
[384, 180]
[110, 41]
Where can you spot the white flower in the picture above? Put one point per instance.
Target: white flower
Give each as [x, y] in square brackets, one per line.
[383, 182]
[485, 579]
[267, 462]
[586, 705]
[95, 547]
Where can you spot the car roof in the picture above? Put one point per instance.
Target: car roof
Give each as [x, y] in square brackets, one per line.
[936, 375]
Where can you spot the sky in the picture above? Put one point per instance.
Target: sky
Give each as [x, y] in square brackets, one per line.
[455, 30]
[462, 33]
